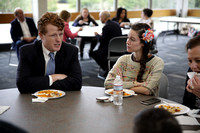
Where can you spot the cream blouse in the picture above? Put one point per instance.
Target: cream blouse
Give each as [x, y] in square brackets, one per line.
[129, 69]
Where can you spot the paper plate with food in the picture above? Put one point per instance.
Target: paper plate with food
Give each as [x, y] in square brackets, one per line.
[175, 109]
[50, 94]
[126, 92]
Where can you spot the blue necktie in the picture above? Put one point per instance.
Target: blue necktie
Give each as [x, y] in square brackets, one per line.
[51, 64]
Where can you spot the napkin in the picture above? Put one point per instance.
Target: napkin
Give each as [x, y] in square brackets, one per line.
[191, 74]
[194, 113]
[39, 100]
[191, 131]
[186, 120]
[3, 109]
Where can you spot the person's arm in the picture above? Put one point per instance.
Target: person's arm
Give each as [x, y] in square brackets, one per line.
[68, 32]
[73, 71]
[94, 22]
[15, 32]
[76, 23]
[29, 78]
[188, 98]
[150, 85]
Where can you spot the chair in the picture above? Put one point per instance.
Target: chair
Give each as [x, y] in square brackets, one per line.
[153, 48]
[163, 86]
[12, 48]
[116, 48]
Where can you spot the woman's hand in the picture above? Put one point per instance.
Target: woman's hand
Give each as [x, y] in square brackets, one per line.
[194, 86]
[81, 22]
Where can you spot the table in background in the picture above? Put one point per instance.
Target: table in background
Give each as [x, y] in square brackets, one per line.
[178, 20]
[88, 31]
[77, 111]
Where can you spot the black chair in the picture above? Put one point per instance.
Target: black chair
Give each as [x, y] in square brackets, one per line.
[116, 48]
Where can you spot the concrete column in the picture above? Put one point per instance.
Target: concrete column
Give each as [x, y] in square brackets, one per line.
[39, 8]
[181, 8]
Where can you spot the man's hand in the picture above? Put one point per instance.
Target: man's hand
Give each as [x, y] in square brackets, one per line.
[56, 77]
[29, 39]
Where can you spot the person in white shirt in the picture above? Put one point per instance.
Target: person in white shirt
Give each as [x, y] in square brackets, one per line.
[23, 30]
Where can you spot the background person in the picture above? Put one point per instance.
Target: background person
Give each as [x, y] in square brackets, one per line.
[66, 16]
[146, 17]
[23, 30]
[191, 96]
[140, 71]
[111, 29]
[33, 73]
[155, 120]
[85, 19]
[121, 17]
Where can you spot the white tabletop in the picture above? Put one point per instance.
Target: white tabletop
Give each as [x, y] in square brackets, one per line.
[180, 20]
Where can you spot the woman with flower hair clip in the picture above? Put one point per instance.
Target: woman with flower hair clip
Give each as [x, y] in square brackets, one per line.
[140, 70]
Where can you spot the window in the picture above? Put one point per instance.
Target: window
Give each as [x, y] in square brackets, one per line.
[192, 4]
[8, 6]
[58, 5]
[163, 4]
[98, 5]
[133, 4]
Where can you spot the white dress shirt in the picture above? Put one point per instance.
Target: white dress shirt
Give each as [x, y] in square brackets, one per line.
[47, 58]
[25, 28]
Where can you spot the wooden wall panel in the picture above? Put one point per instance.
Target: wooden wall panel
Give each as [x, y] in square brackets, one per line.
[194, 12]
[7, 18]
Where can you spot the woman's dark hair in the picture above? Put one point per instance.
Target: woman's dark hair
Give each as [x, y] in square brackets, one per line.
[148, 12]
[119, 11]
[156, 120]
[140, 28]
[193, 43]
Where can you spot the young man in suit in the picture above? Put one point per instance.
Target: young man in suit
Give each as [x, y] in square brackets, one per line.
[33, 73]
[23, 30]
[111, 29]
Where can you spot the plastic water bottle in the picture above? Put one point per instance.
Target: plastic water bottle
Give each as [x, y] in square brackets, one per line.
[118, 91]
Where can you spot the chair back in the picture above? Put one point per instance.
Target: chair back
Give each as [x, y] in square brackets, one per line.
[163, 86]
[116, 48]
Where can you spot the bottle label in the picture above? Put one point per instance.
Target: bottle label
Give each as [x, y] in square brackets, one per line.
[118, 87]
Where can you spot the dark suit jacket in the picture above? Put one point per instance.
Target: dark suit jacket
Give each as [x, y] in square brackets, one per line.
[189, 99]
[110, 30]
[16, 30]
[31, 69]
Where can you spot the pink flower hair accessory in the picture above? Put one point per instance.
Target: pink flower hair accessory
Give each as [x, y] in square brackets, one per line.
[148, 35]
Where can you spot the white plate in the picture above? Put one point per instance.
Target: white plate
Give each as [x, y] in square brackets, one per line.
[59, 91]
[183, 108]
[131, 92]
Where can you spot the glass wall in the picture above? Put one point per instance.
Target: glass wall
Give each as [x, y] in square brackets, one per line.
[163, 4]
[98, 5]
[133, 4]
[193, 4]
[8, 6]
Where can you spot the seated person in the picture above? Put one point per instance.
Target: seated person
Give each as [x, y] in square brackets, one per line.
[192, 90]
[66, 16]
[49, 63]
[146, 17]
[85, 19]
[155, 120]
[111, 29]
[23, 30]
[121, 17]
[140, 71]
